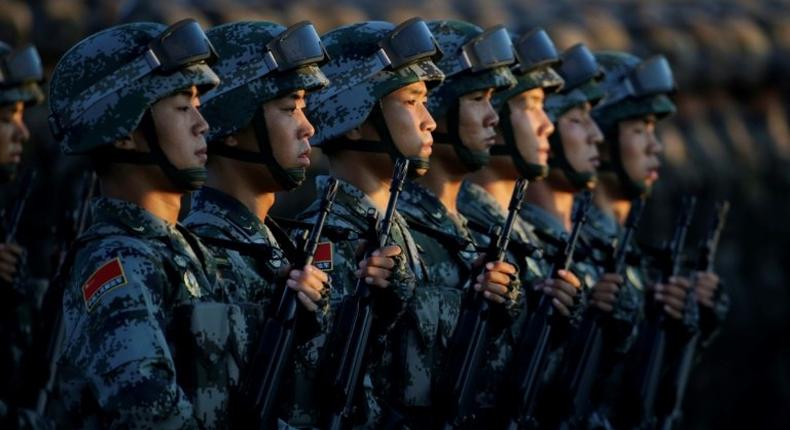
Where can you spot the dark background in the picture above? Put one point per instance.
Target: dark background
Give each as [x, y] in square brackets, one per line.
[730, 139]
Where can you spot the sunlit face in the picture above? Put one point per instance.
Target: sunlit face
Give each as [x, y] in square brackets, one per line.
[580, 138]
[640, 149]
[408, 120]
[13, 133]
[477, 120]
[181, 129]
[531, 126]
[289, 130]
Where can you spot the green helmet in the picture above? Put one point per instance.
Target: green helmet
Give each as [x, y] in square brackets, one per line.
[634, 89]
[581, 74]
[536, 57]
[103, 87]
[473, 60]
[258, 62]
[20, 75]
[369, 60]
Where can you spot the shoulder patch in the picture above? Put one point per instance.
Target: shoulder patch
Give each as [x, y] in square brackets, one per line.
[322, 258]
[107, 277]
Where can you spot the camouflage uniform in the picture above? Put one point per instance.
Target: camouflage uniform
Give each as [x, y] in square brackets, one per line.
[146, 333]
[396, 370]
[249, 280]
[150, 339]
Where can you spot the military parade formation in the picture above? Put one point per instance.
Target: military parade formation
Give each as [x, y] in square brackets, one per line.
[469, 260]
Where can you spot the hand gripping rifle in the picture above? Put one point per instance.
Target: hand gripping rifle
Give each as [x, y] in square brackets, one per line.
[532, 350]
[345, 362]
[456, 389]
[656, 333]
[584, 355]
[671, 402]
[261, 383]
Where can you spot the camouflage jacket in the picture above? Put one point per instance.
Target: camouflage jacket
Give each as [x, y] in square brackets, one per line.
[250, 274]
[389, 380]
[147, 333]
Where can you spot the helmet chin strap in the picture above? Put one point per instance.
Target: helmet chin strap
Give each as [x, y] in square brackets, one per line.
[578, 180]
[629, 187]
[184, 179]
[530, 171]
[385, 144]
[189, 179]
[288, 179]
[471, 160]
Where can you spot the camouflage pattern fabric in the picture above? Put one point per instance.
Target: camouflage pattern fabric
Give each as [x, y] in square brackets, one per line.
[354, 90]
[393, 373]
[81, 74]
[250, 281]
[149, 340]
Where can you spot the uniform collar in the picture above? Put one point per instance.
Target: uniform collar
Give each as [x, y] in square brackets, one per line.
[423, 205]
[224, 206]
[129, 217]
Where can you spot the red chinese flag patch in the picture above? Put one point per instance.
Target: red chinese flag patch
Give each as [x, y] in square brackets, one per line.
[322, 258]
[110, 275]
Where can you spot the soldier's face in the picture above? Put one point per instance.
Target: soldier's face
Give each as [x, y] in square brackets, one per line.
[181, 129]
[408, 120]
[289, 130]
[580, 137]
[531, 125]
[477, 120]
[640, 149]
[13, 132]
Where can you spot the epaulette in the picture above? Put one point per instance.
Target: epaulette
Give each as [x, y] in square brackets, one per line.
[331, 232]
[516, 246]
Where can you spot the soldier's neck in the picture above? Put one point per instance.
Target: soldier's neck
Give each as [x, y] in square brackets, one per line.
[370, 172]
[246, 183]
[499, 186]
[553, 200]
[140, 191]
[444, 183]
[611, 202]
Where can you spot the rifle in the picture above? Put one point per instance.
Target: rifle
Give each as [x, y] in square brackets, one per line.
[345, 361]
[532, 350]
[584, 355]
[656, 334]
[470, 339]
[26, 185]
[261, 384]
[674, 393]
[52, 329]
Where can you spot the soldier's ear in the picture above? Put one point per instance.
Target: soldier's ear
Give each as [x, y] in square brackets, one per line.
[126, 143]
[230, 141]
[354, 134]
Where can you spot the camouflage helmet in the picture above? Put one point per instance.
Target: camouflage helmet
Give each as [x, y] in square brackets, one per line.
[258, 62]
[20, 75]
[634, 89]
[369, 60]
[102, 86]
[102, 90]
[473, 60]
[536, 58]
[582, 75]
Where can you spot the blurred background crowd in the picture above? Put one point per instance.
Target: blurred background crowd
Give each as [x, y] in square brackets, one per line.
[730, 139]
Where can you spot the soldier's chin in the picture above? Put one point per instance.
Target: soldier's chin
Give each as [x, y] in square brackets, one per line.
[421, 171]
